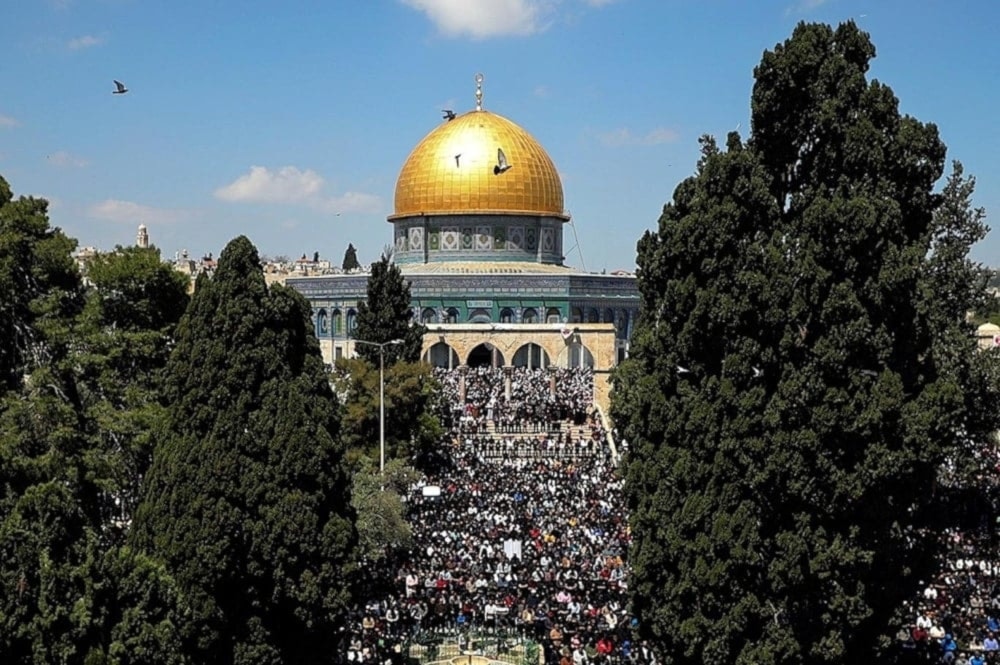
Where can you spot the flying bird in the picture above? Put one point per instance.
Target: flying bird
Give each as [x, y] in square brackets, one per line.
[502, 165]
[120, 88]
[448, 114]
[683, 370]
[757, 372]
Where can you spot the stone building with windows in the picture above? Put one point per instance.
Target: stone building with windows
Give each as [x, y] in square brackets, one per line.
[478, 227]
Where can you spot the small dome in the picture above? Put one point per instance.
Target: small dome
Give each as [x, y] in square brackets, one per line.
[990, 329]
[451, 171]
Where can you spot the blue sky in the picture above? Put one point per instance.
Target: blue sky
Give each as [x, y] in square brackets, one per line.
[288, 121]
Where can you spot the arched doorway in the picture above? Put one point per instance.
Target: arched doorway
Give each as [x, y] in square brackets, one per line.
[531, 356]
[441, 355]
[485, 355]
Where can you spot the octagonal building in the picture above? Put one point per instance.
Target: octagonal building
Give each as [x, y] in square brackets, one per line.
[478, 226]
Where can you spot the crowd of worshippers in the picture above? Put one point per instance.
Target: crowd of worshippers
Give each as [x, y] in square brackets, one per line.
[515, 399]
[524, 547]
[956, 618]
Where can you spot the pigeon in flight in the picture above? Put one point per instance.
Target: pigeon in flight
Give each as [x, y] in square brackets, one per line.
[757, 372]
[502, 165]
[120, 88]
[448, 114]
[683, 370]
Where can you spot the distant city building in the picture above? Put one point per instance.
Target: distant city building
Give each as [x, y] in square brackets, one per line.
[142, 237]
[478, 232]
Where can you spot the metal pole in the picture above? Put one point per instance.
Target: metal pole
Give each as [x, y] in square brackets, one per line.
[381, 408]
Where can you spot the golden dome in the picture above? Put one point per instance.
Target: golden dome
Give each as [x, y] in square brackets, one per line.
[451, 171]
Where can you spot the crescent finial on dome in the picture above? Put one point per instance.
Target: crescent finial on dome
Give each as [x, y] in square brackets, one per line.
[479, 91]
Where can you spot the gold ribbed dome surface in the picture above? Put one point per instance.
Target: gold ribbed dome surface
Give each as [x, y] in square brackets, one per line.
[451, 171]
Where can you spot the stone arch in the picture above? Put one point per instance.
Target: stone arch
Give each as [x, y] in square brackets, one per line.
[506, 315]
[575, 354]
[352, 321]
[531, 355]
[336, 322]
[441, 355]
[593, 316]
[322, 323]
[529, 315]
[553, 315]
[429, 315]
[576, 315]
[451, 315]
[485, 355]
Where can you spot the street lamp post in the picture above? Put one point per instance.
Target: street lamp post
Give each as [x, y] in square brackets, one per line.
[381, 395]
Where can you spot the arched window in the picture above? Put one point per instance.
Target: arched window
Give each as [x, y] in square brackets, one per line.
[352, 321]
[441, 355]
[553, 315]
[337, 322]
[429, 315]
[451, 315]
[322, 324]
[529, 315]
[531, 356]
[576, 315]
[609, 316]
[506, 315]
[480, 316]
[593, 316]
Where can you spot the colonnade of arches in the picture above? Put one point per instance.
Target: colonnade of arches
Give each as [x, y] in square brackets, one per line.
[528, 355]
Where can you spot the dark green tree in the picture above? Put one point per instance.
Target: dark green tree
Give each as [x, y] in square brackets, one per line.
[799, 372]
[74, 442]
[385, 315]
[411, 429]
[350, 259]
[39, 281]
[247, 502]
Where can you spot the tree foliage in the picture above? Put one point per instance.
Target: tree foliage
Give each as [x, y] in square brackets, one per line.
[411, 429]
[39, 282]
[74, 439]
[247, 502]
[350, 259]
[814, 287]
[385, 315]
[377, 499]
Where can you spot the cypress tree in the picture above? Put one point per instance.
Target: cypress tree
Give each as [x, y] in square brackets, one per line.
[247, 502]
[385, 315]
[800, 372]
[350, 259]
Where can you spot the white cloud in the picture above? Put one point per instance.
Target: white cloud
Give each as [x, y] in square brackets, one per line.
[286, 185]
[624, 136]
[6, 121]
[599, 3]
[481, 19]
[85, 41]
[127, 212]
[63, 158]
[291, 185]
